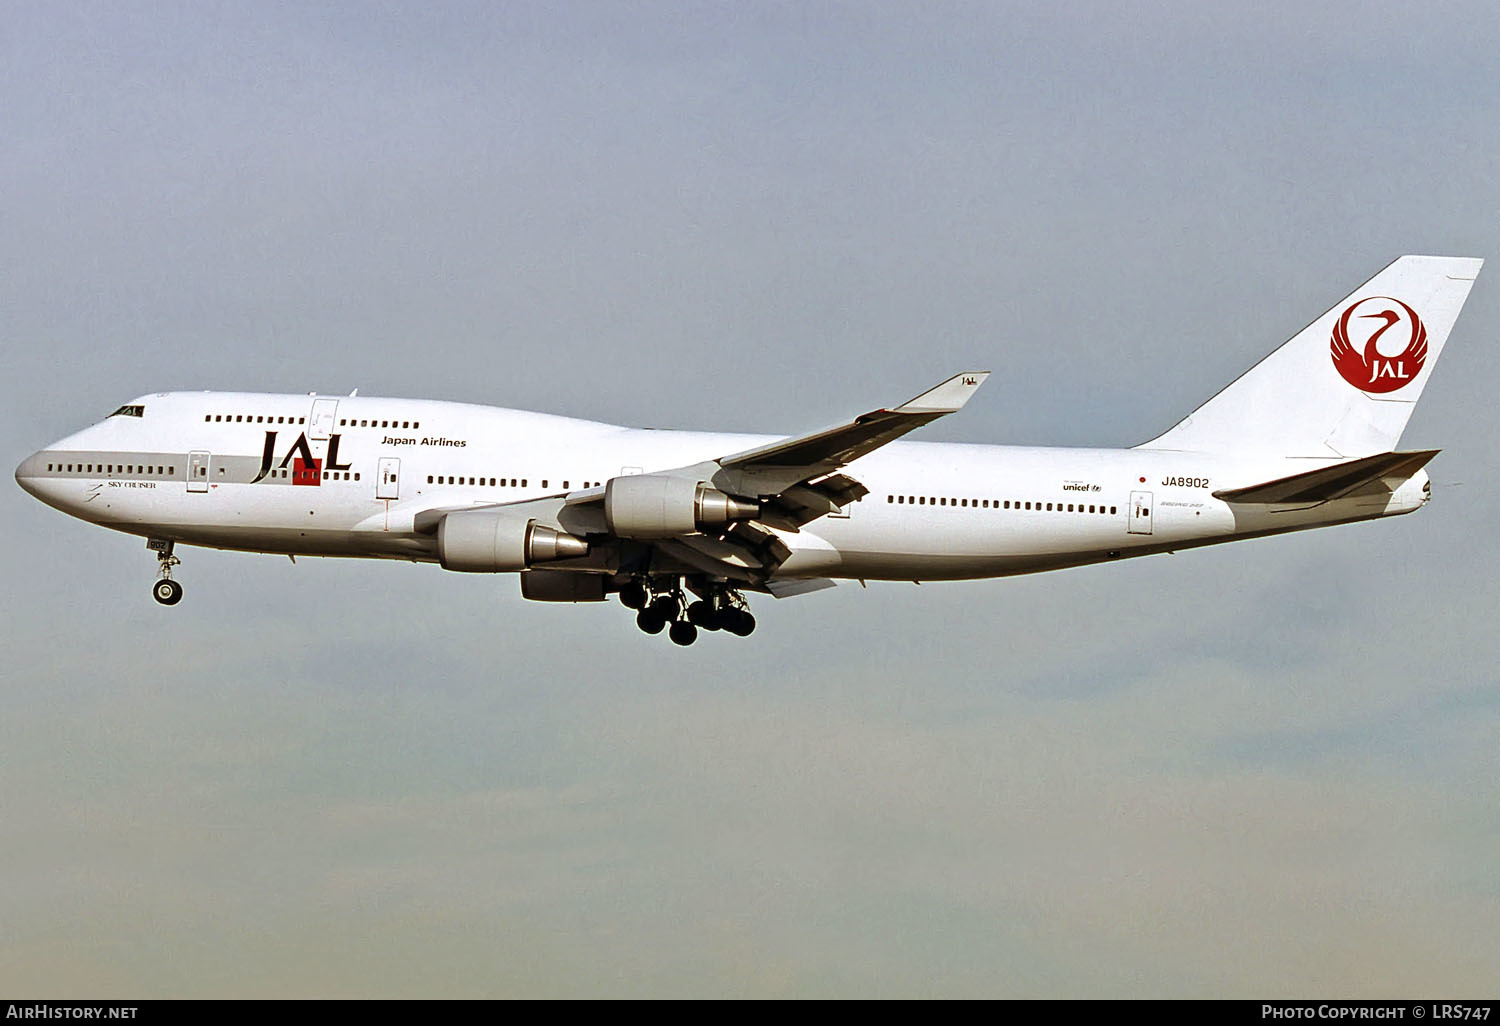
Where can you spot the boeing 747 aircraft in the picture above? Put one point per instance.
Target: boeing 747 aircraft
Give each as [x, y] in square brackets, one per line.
[683, 525]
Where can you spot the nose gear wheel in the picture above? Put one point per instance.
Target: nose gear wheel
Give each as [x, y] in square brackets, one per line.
[166, 591]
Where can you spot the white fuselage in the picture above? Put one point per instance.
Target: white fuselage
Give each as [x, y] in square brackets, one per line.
[348, 476]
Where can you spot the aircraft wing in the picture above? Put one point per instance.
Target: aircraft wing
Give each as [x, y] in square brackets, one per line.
[784, 485]
[797, 480]
[836, 446]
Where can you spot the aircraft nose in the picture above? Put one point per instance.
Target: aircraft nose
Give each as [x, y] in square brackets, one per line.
[25, 476]
[33, 477]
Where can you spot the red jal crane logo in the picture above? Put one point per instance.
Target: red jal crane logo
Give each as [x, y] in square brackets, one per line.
[1387, 347]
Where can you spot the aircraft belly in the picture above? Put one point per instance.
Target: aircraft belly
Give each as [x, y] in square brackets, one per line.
[252, 519]
[249, 527]
[934, 554]
[892, 566]
[934, 548]
[297, 541]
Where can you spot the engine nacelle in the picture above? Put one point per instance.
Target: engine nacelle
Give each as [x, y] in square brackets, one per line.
[493, 541]
[663, 506]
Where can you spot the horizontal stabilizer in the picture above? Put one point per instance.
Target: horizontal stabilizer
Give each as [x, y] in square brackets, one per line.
[1333, 482]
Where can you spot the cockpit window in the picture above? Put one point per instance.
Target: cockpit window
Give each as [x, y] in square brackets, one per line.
[129, 411]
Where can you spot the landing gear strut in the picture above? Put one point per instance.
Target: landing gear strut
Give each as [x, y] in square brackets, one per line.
[657, 608]
[166, 591]
[660, 604]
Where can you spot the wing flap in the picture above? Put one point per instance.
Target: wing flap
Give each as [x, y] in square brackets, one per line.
[716, 560]
[804, 503]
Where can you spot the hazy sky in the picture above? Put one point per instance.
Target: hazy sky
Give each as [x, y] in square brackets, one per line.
[1263, 769]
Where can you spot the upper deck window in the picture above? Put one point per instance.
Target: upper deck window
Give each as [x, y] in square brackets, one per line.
[130, 411]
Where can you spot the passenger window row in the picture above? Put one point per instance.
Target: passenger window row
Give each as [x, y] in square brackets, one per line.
[245, 418]
[1050, 507]
[328, 475]
[502, 482]
[133, 469]
[404, 425]
[491, 483]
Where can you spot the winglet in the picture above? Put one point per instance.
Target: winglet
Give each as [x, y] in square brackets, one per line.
[949, 397]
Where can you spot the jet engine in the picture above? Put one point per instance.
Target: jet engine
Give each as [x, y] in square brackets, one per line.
[663, 506]
[494, 541]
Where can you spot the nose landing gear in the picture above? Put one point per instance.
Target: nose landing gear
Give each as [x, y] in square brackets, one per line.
[166, 591]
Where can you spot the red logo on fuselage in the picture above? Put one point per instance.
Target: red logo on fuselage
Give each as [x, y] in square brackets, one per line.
[306, 472]
[1387, 346]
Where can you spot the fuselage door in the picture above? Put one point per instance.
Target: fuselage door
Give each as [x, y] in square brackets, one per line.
[1140, 513]
[387, 483]
[198, 467]
[320, 425]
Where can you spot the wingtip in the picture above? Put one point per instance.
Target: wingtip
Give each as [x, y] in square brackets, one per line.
[949, 397]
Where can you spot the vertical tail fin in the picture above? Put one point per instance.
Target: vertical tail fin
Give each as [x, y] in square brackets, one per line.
[1345, 385]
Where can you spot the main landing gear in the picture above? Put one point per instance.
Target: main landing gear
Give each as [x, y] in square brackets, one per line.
[166, 591]
[659, 604]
